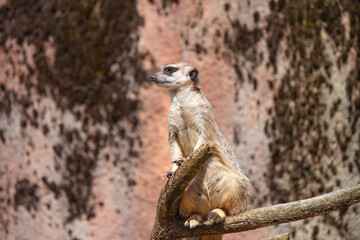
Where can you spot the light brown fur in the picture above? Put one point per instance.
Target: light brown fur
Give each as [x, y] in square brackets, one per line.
[219, 188]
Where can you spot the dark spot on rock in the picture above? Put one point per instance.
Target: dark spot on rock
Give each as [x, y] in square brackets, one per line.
[166, 2]
[61, 128]
[242, 38]
[5, 104]
[200, 49]
[69, 136]
[90, 214]
[342, 213]
[338, 182]
[357, 103]
[227, 7]
[2, 136]
[52, 187]
[315, 233]
[58, 148]
[131, 182]
[271, 84]
[236, 135]
[239, 73]
[35, 113]
[255, 83]
[256, 16]
[355, 210]
[218, 33]
[45, 129]
[335, 107]
[25, 195]
[23, 123]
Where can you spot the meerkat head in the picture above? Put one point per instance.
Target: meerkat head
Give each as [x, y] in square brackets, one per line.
[176, 75]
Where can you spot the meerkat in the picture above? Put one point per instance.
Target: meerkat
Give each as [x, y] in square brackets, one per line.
[219, 188]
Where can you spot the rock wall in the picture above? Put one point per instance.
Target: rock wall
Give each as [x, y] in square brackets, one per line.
[70, 77]
[315, 118]
[83, 134]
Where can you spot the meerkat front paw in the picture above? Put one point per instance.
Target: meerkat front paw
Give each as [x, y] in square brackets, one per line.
[179, 162]
[215, 216]
[193, 221]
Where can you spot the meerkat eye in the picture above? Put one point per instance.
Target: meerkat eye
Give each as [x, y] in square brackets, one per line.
[170, 70]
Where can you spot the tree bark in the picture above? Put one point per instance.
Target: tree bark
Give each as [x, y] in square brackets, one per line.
[285, 236]
[172, 192]
[168, 225]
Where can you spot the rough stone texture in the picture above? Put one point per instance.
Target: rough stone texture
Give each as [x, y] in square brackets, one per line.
[69, 147]
[315, 127]
[83, 135]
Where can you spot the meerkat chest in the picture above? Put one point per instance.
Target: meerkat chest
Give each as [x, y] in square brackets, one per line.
[183, 125]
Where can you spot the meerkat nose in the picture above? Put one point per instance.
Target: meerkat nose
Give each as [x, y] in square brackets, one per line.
[153, 78]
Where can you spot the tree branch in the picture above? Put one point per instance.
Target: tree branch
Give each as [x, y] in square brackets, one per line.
[168, 224]
[285, 236]
[174, 188]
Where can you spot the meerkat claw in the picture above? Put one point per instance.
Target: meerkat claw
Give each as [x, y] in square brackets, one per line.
[168, 174]
[179, 162]
[215, 216]
[193, 221]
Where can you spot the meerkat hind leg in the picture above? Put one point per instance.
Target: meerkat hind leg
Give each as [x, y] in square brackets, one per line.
[193, 221]
[215, 216]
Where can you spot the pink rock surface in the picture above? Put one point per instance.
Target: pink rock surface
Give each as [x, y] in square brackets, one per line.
[66, 175]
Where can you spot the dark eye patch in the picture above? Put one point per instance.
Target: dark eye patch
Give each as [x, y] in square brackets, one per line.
[170, 70]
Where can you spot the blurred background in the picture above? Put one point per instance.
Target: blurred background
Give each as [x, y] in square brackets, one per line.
[83, 133]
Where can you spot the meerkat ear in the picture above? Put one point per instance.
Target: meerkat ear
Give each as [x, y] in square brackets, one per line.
[193, 74]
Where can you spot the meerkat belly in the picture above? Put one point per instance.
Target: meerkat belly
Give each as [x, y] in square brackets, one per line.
[187, 138]
[210, 189]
